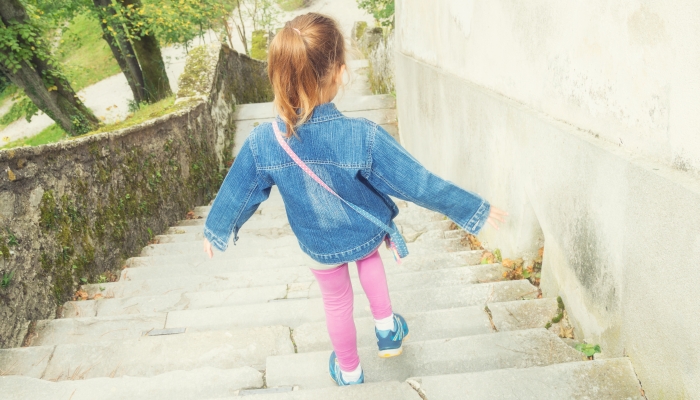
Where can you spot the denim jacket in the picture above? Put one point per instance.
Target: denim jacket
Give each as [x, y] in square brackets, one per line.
[355, 157]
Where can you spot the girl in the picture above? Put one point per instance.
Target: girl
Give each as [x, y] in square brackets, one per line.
[335, 175]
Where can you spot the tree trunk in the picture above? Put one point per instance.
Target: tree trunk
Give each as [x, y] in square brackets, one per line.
[153, 67]
[60, 103]
[155, 78]
[123, 52]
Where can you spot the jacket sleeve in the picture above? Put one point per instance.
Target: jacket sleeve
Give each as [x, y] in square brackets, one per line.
[238, 198]
[395, 172]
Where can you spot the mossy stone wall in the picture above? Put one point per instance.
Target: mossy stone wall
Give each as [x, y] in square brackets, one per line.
[74, 211]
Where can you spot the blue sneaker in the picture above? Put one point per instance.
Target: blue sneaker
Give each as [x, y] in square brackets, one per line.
[389, 342]
[337, 376]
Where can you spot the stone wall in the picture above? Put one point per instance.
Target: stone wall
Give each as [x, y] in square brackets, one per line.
[573, 117]
[75, 210]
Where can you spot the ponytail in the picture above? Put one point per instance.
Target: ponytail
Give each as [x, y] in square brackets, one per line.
[303, 59]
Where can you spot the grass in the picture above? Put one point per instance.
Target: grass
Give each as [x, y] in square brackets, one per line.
[7, 93]
[84, 54]
[258, 49]
[52, 134]
[291, 5]
[144, 113]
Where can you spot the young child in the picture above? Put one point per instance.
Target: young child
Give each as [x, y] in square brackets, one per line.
[356, 159]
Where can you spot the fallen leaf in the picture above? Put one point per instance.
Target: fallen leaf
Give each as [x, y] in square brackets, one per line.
[98, 296]
[566, 333]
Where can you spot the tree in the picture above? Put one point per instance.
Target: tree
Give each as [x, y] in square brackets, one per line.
[26, 60]
[122, 50]
[381, 10]
[155, 77]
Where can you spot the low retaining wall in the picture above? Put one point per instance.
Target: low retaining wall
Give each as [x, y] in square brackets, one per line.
[75, 210]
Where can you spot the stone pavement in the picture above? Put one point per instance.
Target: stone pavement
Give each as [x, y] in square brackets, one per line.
[250, 321]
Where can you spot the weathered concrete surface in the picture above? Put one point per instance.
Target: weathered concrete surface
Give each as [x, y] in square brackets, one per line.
[202, 383]
[520, 349]
[294, 312]
[600, 379]
[384, 391]
[434, 324]
[149, 355]
[519, 106]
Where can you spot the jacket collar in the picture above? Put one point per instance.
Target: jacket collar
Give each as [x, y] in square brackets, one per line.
[325, 112]
[322, 112]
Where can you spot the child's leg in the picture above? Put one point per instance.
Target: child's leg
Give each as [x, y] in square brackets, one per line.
[373, 280]
[336, 290]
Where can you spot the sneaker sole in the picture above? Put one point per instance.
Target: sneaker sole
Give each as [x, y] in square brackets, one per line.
[393, 352]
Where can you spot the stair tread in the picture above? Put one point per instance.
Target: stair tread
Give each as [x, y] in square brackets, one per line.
[516, 349]
[599, 379]
[201, 383]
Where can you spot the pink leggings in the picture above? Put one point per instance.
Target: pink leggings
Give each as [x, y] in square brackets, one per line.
[336, 290]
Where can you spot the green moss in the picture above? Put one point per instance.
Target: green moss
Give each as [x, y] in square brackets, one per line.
[195, 79]
[360, 29]
[258, 49]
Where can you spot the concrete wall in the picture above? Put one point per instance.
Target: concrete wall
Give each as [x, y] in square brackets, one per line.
[580, 119]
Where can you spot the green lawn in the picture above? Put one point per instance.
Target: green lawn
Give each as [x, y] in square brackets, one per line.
[84, 55]
[52, 134]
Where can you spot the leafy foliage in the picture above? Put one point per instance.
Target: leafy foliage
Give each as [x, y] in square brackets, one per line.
[23, 107]
[172, 21]
[589, 350]
[6, 279]
[381, 10]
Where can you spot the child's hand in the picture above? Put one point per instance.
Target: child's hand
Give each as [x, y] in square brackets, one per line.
[495, 216]
[208, 249]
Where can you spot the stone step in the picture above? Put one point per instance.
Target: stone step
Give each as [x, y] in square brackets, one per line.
[355, 103]
[200, 383]
[600, 379]
[379, 390]
[295, 312]
[518, 349]
[93, 329]
[310, 336]
[149, 355]
[465, 295]
[438, 324]
[280, 242]
[410, 231]
[400, 279]
[168, 266]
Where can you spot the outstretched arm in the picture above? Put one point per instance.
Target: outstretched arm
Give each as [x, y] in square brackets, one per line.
[396, 173]
[238, 198]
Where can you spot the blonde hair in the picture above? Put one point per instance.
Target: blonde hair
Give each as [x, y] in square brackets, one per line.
[302, 61]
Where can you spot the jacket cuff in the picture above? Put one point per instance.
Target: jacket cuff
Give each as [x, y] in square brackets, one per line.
[215, 241]
[479, 218]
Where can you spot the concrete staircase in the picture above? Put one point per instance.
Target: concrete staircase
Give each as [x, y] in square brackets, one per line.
[250, 322]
